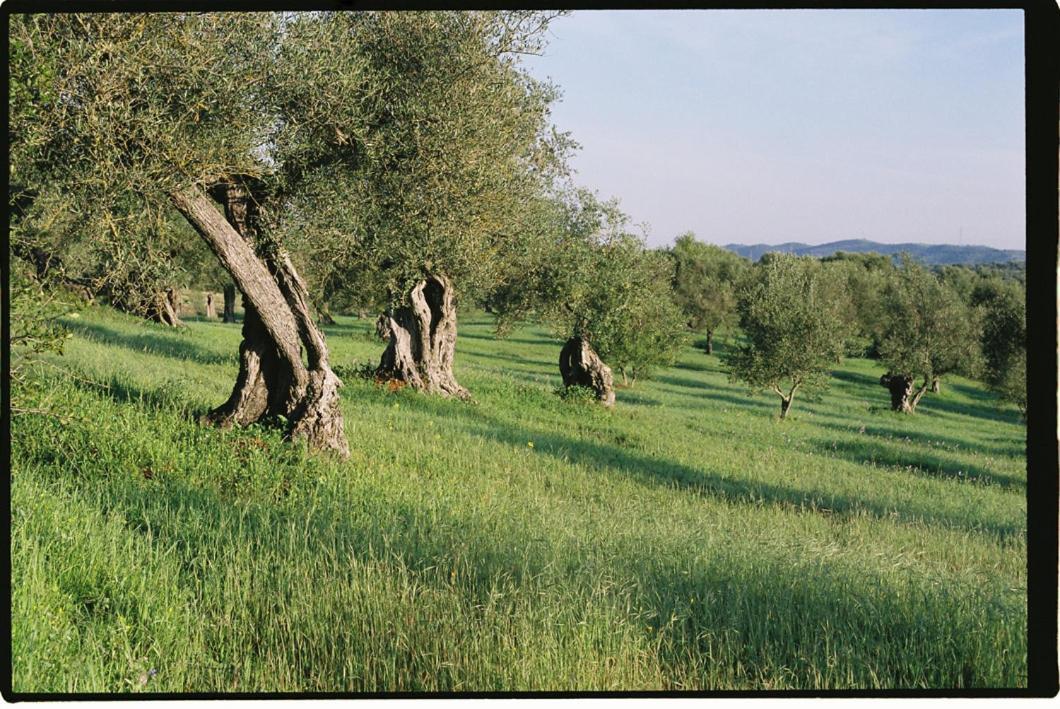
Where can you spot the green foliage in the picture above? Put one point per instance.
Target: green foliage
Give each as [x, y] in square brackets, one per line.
[587, 275]
[116, 110]
[858, 282]
[927, 331]
[36, 327]
[793, 323]
[681, 541]
[704, 283]
[1004, 339]
[413, 143]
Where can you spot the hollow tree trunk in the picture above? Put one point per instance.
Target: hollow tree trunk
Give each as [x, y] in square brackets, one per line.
[211, 311]
[421, 339]
[272, 379]
[162, 309]
[579, 365]
[230, 303]
[901, 388]
[709, 349]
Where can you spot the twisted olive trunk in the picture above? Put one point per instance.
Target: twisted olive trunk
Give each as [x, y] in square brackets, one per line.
[211, 311]
[579, 365]
[421, 339]
[273, 380]
[903, 398]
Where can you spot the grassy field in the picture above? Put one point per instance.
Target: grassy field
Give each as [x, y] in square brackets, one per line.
[685, 540]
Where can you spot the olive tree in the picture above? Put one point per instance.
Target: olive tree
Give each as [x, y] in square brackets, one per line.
[859, 280]
[437, 140]
[1004, 339]
[927, 332]
[592, 279]
[704, 284]
[795, 329]
[143, 114]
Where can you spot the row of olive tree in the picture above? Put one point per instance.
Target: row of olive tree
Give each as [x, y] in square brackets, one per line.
[399, 148]
[799, 316]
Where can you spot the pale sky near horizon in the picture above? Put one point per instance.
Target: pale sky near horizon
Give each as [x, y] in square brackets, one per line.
[766, 126]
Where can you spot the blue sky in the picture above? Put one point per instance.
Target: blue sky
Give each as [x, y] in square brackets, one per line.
[754, 126]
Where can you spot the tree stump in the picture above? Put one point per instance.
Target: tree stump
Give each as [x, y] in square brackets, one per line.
[421, 339]
[903, 397]
[579, 365]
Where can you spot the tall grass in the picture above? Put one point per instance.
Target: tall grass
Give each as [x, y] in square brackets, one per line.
[685, 540]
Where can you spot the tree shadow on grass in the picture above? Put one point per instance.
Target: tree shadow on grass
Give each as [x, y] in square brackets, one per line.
[672, 474]
[519, 340]
[166, 398]
[930, 439]
[348, 329]
[932, 404]
[804, 622]
[925, 463]
[989, 409]
[693, 388]
[540, 363]
[176, 345]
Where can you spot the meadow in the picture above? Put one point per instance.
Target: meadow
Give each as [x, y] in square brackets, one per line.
[686, 539]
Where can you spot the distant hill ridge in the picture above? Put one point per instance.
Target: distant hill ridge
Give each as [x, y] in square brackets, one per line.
[929, 254]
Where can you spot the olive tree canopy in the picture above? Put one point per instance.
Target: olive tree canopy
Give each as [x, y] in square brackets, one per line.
[131, 116]
[794, 327]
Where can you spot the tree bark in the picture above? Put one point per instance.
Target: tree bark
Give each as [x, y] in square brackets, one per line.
[710, 342]
[936, 386]
[579, 365]
[162, 308]
[325, 315]
[211, 311]
[230, 303]
[421, 339]
[273, 380]
[901, 388]
[786, 399]
[919, 394]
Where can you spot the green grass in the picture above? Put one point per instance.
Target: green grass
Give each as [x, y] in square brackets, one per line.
[685, 540]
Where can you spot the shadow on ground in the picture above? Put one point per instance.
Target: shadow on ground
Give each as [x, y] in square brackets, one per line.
[924, 463]
[173, 343]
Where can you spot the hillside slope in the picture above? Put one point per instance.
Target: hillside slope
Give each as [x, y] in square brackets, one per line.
[684, 540]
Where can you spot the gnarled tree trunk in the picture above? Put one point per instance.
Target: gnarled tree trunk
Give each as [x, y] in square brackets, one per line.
[230, 303]
[903, 398]
[579, 365]
[901, 388]
[709, 348]
[163, 309]
[211, 311]
[421, 339]
[273, 380]
[936, 386]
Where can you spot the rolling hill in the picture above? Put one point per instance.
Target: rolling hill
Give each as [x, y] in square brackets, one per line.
[929, 254]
